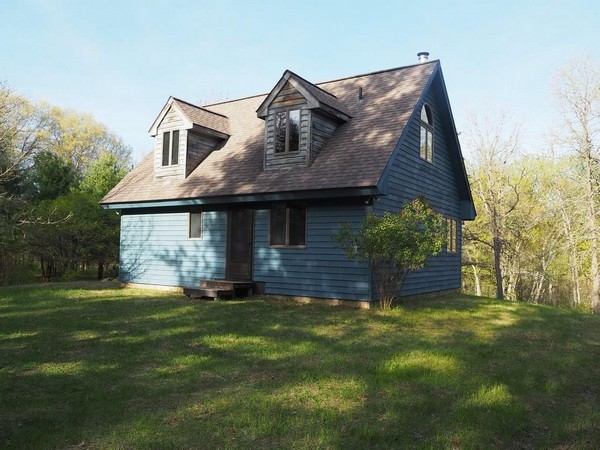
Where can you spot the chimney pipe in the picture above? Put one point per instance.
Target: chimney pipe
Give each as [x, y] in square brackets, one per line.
[423, 57]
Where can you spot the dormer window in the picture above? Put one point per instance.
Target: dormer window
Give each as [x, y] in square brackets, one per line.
[426, 151]
[170, 148]
[287, 131]
[300, 117]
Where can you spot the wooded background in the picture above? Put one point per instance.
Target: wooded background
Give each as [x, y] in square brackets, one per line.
[55, 166]
[535, 238]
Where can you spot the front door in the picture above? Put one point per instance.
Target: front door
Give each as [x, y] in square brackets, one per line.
[239, 244]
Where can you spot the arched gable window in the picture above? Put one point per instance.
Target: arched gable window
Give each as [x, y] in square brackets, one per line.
[426, 151]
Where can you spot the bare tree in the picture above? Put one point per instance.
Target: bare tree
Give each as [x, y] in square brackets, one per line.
[495, 187]
[577, 91]
[20, 125]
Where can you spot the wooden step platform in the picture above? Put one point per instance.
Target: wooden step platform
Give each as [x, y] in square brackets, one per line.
[220, 289]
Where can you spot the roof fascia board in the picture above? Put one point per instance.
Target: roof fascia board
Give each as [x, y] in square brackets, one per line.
[312, 101]
[264, 106]
[251, 198]
[461, 159]
[209, 131]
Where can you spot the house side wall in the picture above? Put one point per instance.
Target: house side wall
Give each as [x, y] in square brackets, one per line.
[198, 148]
[172, 121]
[321, 130]
[155, 249]
[320, 269]
[409, 177]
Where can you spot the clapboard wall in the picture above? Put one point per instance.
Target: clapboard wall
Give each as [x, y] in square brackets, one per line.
[155, 248]
[410, 176]
[320, 269]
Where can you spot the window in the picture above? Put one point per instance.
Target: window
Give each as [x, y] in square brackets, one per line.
[287, 131]
[195, 226]
[175, 148]
[287, 225]
[426, 151]
[452, 238]
[170, 148]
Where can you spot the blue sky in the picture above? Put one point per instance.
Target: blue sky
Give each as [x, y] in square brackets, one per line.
[120, 60]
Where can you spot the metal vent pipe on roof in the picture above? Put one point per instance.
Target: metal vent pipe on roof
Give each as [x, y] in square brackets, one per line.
[423, 56]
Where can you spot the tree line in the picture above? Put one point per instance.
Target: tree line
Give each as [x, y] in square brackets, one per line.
[537, 232]
[55, 166]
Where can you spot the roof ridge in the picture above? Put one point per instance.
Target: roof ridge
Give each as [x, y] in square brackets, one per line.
[378, 72]
[313, 84]
[199, 107]
[236, 100]
[328, 81]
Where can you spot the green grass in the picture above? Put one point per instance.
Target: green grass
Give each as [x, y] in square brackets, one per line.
[91, 366]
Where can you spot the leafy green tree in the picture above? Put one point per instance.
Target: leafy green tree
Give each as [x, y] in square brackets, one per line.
[395, 245]
[102, 175]
[79, 138]
[50, 176]
[73, 230]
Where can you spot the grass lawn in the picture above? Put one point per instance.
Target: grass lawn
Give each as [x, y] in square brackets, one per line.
[89, 365]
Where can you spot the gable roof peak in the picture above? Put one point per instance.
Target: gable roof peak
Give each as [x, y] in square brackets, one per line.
[178, 100]
[316, 96]
[193, 115]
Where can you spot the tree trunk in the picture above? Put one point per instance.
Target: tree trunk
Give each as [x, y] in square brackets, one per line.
[498, 268]
[595, 277]
[477, 280]
[100, 270]
[592, 223]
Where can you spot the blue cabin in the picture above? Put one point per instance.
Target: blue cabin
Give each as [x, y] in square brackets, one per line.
[251, 191]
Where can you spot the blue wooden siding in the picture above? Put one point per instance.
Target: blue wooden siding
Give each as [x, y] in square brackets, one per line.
[410, 176]
[155, 249]
[320, 269]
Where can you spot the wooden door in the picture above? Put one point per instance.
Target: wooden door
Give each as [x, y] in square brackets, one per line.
[239, 244]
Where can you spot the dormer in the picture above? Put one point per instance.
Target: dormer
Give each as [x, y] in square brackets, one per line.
[185, 135]
[299, 119]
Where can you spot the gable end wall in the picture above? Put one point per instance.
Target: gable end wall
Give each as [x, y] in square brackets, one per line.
[408, 177]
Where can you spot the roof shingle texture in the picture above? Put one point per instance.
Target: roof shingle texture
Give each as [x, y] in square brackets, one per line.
[323, 96]
[354, 157]
[203, 117]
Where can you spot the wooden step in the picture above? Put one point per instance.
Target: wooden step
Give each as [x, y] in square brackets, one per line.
[208, 293]
[221, 288]
[225, 284]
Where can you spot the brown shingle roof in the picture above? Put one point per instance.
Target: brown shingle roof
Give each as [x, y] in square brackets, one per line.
[354, 157]
[204, 117]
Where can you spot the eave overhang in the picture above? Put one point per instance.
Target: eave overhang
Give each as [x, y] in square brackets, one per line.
[249, 198]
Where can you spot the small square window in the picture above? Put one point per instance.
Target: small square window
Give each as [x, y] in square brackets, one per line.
[195, 226]
[287, 225]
